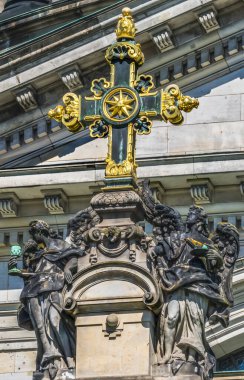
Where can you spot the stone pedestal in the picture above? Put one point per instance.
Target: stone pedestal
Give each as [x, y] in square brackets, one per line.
[113, 297]
[123, 351]
[115, 323]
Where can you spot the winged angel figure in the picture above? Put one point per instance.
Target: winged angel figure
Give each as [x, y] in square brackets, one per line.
[194, 271]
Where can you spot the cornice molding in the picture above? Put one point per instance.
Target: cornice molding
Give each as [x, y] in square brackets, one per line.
[177, 12]
[199, 60]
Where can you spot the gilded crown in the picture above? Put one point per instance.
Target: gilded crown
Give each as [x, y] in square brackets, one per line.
[126, 27]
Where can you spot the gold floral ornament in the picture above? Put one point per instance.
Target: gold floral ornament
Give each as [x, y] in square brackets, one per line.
[143, 126]
[144, 84]
[99, 87]
[173, 102]
[186, 103]
[114, 169]
[125, 48]
[98, 129]
[126, 27]
[68, 114]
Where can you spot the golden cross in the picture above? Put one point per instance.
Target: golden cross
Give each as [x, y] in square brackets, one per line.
[123, 106]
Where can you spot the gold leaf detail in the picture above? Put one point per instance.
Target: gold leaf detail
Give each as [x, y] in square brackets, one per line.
[126, 27]
[123, 50]
[173, 102]
[126, 168]
[69, 113]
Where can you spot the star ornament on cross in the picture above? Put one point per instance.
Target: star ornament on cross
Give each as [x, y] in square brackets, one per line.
[120, 105]
[123, 106]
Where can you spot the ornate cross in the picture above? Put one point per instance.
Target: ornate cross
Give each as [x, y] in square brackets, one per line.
[123, 106]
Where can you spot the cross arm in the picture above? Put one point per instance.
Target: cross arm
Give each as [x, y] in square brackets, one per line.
[167, 104]
[77, 113]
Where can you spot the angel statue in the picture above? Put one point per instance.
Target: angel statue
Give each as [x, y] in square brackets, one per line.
[48, 264]
[194, 271]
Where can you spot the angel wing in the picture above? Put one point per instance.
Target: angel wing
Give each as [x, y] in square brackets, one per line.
[78, 226]
[149, 202]
[160, 216]
[226, 238]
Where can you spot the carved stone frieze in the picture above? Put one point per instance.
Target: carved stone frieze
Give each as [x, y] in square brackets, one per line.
[114, 241]
[218, 51]
[115, 199]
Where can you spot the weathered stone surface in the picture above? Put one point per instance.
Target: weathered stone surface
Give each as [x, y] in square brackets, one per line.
[128, 353]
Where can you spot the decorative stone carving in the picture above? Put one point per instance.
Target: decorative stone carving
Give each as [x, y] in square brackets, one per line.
[208, 20]
[112, 330]
[194, 271]
[9, 205]
[55, 201]
[163, 40]
[48, 264]
[164, 286]
[109, 264]
[92, 227]
[71, 77]
[115, 199]
[26, 98]
[201, 191]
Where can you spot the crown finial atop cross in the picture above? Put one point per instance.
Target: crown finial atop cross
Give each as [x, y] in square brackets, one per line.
[126, 26]
[123, 106]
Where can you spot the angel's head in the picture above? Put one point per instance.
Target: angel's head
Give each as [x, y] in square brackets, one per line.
[197, 217]
[39, 230]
